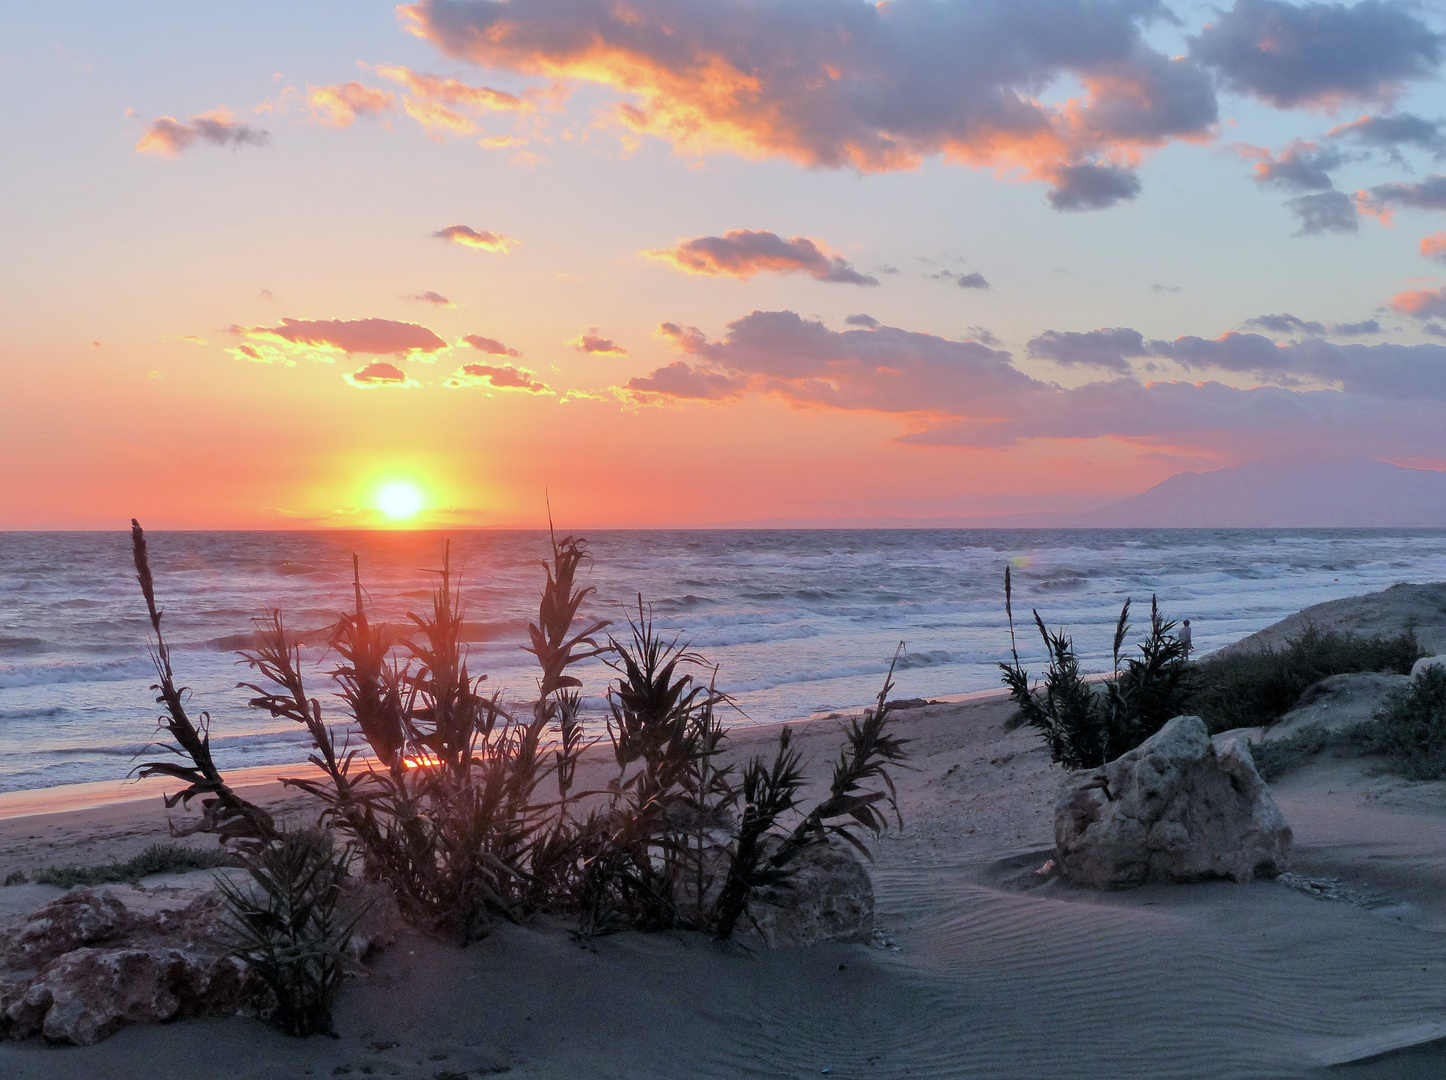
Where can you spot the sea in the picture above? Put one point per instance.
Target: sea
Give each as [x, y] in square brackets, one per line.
[793, 622]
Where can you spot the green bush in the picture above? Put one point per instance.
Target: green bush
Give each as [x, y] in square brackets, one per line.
[1411, 729]
[291, 926]
[1250, 689]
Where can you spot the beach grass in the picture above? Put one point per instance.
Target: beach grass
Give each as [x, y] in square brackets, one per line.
[156, 859]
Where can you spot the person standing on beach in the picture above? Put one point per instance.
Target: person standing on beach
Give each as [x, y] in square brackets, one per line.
[1184, 637]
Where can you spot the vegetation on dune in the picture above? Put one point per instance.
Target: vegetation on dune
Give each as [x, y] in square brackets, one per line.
[469, 812]
[1409, 730]
[1255, 688]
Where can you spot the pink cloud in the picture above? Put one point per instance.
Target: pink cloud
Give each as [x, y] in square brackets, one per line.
[1434, 246]
[378, 374]
[741, 253]
[1422, 303]
[500, 376]
[378, 337]
[590, 342]
[962, 393]
[491, 346]
[167, 137]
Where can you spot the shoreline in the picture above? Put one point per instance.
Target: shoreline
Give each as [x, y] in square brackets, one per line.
[94, 794]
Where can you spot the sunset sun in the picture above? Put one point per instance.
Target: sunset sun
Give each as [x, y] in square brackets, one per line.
[399, 501]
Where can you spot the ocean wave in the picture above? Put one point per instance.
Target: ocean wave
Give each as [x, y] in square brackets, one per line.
[24, 646]
[74, 671]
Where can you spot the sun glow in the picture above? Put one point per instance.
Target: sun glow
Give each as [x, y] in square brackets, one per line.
[399, 501]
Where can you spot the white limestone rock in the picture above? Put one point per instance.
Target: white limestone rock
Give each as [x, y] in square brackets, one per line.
[1171, 810]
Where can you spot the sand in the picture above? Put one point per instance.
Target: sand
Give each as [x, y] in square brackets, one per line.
[979, 970]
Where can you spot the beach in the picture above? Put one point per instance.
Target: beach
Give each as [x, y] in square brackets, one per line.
[982, 964]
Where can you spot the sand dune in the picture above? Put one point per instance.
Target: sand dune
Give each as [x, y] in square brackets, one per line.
[983, 968]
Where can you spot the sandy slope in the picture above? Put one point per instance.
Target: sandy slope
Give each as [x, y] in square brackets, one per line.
[986, 970]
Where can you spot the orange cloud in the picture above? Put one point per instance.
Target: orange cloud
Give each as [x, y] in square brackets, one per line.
[590, 342]
[481, 239]
[442, 105]
[1434, 246]
[339, 106]
[500, 377]
[378, 374]
[741, 253]
[377, 337]
[1422, 303]
[875, 87]
[167, 137]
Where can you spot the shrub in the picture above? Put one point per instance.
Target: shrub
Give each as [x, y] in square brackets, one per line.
[1085, 727]
[1248, 689]
[1411, 729]
[292, 928]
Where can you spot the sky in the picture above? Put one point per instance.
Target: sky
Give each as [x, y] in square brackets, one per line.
[680, 262]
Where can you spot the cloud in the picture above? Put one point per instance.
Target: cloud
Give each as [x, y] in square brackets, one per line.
[448, 106]
[874, 87]
[868, 322]
[1301, 166]
[683, 381]
[1285, 323]
[376, 337]
[1317, 55]
[980, 334]
[1390, 132]
[429, 297]
[741, 253]
[481, 239]
[1427, 194]
[500, 377]
[1420, 303]
[1109, 348]
[1434, 246]
[378, 374]
[590, 342]
[965, 394]
[491, 346]
[1356, 329]
[1092, 187]
[167, 136]
[339, 106]
[1327, 211]
[964, 281]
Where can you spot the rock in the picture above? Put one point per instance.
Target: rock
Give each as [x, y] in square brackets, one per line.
[80, 917]
[88, 994]
[1420, 666]
[829, 898]
[1172, 809]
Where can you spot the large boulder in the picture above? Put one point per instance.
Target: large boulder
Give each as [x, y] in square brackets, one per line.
[1173, 809]
[828, 898]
